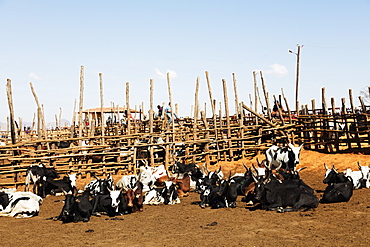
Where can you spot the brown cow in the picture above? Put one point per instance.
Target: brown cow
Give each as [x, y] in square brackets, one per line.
[183, 185]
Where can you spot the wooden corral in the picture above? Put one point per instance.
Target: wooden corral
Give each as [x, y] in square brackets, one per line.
[119, 147]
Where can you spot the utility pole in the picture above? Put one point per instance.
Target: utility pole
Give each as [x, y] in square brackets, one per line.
[298, 54]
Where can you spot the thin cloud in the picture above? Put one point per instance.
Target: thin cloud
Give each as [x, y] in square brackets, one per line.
[32, 75]
[278, 70]
[162, 75]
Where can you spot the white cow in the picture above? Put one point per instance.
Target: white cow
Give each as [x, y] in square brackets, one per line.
[283, 157]
[19, 204]
[356, 177]
[365, 170]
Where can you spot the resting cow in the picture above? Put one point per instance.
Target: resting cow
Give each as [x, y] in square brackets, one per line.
[19, 204]
[113, 204]
[284, 196]
[339, 189]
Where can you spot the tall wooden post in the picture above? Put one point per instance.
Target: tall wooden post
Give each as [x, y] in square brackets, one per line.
[324, 106]
[80, 125]
[255, 93]
[298, 54]
[170, 99]
[213, 107]
[128, 113]
[351, 101]
[266, 96]
[226, 101]
[11, 111]
[287, 106]
[39, 113]
[73, 119]
[236, 96]
[102, 120]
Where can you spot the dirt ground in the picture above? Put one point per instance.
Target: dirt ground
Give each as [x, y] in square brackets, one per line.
[186, 224]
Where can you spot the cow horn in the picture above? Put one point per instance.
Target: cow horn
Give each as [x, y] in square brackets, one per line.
[278, 168]
[326, 167]
[358, 163]
[254, 168]
[333, 167]
[302, 168]
[254, 178]
[246, 168]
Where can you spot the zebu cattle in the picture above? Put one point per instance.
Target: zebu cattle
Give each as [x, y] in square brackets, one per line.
[283, 196]
[76, 208]
[356, 177]
[127, 182]
[147, 178]
[100, 186]
[19, 204]
[183, 185]
[53, 187]
[361, 178]
[38, 174]
[339, 189]
[212, 197]
[113, 204]
[283, 157]
[230, 191]
[333, 176]
[135, 198]
[167, 195]
[365, 170]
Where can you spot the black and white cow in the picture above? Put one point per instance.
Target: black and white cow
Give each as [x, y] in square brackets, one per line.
[100, 186]
[112, 204]
[38, 174]
[53, 187]
[167, 195]
[127, 182]
[19, 204]
[283, 157]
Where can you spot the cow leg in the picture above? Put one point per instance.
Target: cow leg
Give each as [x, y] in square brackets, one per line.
[306, 201]
[95, 204]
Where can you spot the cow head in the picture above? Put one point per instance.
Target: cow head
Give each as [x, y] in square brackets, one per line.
[169, 192]
[72, 179]
[330, 175]
[130, 195]
[294, 153]
[139, 197]
[4, 200]
[115, 196]
[259, 187]
[365, 170]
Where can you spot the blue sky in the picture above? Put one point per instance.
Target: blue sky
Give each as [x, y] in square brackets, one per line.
[46, 42]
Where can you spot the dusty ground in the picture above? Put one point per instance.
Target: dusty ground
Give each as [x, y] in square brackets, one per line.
[185, 224]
